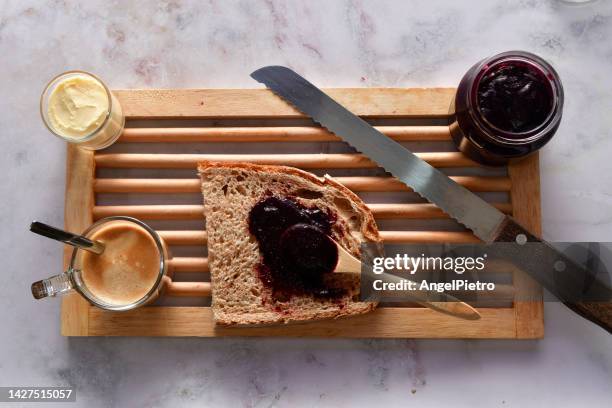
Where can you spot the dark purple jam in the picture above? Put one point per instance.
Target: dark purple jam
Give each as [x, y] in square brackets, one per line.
[506, 107]
[296, 248]
[309, 250]
[515, 97]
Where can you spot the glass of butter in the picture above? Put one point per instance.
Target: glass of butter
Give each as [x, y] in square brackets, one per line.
[77, 107]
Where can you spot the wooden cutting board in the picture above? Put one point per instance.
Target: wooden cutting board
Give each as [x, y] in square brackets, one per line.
[150, 174]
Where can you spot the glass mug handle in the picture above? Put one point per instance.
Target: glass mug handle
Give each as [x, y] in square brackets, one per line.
[55, 285]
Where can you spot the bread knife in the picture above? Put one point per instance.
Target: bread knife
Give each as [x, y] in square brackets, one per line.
[486, 222]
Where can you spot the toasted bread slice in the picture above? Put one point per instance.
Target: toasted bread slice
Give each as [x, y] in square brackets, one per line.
[240, 297]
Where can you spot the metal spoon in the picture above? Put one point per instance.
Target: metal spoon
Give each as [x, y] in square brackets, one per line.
[69, 238]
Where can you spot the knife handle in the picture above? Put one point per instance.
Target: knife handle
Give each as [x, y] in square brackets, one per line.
[598, 312]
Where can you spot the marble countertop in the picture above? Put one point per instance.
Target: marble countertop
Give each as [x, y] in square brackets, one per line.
[174, 43]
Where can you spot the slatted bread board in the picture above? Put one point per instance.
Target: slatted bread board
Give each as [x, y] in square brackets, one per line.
[151, 174]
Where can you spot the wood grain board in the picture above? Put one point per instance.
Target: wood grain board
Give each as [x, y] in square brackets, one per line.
[150, 174]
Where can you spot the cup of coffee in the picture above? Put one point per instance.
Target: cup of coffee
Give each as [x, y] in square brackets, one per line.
[129, 273]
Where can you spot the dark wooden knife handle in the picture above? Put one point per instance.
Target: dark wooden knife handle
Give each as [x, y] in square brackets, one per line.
[599, 312]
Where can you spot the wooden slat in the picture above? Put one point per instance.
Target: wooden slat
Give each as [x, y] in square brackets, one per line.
[120, 185]
[188, 289]
[427, 237]
[384, 323]
[502, 293]
[389, 237]
[184, 237]
[77, 217]
[305, 161]
[525, 196]
[473, 183]
[272, 134]
[418, 211]
[358, 184]
[194, 212]
[262, 103]
[200, 264]
[188, 264]
[151, 212]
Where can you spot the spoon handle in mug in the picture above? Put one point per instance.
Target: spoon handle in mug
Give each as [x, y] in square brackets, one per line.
[69, 238]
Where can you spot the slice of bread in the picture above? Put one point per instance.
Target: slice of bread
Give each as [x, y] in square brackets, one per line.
[239, 296]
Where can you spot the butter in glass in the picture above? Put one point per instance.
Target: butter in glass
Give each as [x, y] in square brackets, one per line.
[77, 107]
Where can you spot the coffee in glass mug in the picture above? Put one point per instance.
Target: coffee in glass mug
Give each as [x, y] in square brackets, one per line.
[129, 273]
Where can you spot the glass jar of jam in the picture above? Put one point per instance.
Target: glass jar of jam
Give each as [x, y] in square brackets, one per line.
[506, 107]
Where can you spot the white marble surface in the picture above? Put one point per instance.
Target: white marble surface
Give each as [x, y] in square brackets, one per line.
[335, 43]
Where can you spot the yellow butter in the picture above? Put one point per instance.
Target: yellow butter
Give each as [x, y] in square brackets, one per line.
[77, 106]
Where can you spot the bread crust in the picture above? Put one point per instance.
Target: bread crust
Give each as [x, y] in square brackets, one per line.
[368, 230]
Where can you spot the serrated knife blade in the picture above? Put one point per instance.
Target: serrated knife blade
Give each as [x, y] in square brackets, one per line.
[455, 200]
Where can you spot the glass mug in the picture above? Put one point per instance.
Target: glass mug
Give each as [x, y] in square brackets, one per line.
[130, 272]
